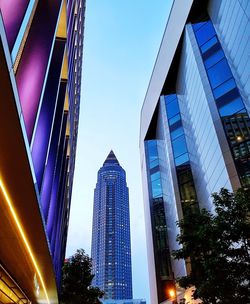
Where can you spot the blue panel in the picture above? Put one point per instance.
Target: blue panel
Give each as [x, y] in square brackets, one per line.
[232, 107]
[172, 108]
[184, 158]
[50, 166]
[179, 146]
[213, 58]
[205, 33]
[56, 181]
[196, 26]
[155, 176]
[206, 46]
[177, 132]
[169, 98]
[224, 88]
[174, 119]
[219, 73]
[156, 188]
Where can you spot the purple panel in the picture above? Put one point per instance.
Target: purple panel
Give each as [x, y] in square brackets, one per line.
[56, 181]
[13, 18]
[51, 163]
[60, 202]
[43, 130]
[32, 67]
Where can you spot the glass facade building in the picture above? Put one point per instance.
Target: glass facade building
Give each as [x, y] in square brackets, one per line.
[41, 61]
[111, 249]
[194, 136]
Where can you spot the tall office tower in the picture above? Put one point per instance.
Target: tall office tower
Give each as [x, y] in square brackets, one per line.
[195, 127]
[40, 77]
[111, 251]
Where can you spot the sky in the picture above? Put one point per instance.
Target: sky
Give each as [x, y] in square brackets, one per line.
[121, 42]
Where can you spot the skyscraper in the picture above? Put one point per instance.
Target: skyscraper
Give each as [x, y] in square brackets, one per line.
[195, 126]
[40, 77]
[111, 249]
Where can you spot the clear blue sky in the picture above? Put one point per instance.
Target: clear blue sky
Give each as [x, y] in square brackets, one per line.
[122, 38]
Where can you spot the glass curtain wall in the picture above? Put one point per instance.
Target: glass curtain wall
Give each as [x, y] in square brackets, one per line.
[164, 275]
[230, 105]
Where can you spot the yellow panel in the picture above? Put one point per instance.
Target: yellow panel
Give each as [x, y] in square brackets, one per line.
[68, 150]
[68, 128]
[64, 71]
[62, 25]
[66, 102]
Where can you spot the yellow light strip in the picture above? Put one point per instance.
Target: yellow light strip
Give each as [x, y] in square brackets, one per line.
[19, 226]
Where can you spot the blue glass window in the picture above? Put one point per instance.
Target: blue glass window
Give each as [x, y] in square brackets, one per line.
[156, 188]
[196, 26]
[205, 33]
[154, 163]
[224, 88]
[206, 46]
[213, 58]
[182, 159]
[155, 176]
[177, 132]
[172, 108]
[232, 107]
[219, 73]
[169, 98]
[152, 150]
[174, 119]
[227, 97]
[179, 146]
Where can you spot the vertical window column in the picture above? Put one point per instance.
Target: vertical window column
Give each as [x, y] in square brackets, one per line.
[230, 105]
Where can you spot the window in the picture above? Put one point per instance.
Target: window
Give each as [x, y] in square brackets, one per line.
[172, 108]
[181, 159]
[179, 146]
[213, 41]
[155, 176]
[219, 73]
[196, 26]
[224, 88]
[231, 107]
[205, 33]
[156, 188]
[213, 58]
[177, 132]
[169, 98]
[174, 119]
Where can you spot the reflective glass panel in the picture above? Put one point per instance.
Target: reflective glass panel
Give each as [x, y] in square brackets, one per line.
[196, 26]
[232, 107]
[219, 73]
[205, 33]
[174, 119]
[213, 58]
[224, 88]
[177, 132]
[169, 98]
[179, 146]
[172, 108]
[213, 41]
[181, 159]
[156, 188]
[155, 176]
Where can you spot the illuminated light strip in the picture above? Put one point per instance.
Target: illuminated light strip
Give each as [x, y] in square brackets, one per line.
[18, 224]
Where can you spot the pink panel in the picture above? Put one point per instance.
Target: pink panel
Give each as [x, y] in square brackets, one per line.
[13, 12]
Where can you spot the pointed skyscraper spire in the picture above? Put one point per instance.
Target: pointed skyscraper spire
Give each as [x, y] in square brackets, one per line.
[111, 159]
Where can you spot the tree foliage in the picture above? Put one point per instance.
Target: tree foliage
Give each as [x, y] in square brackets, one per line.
[218, 248]
[77, 279]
